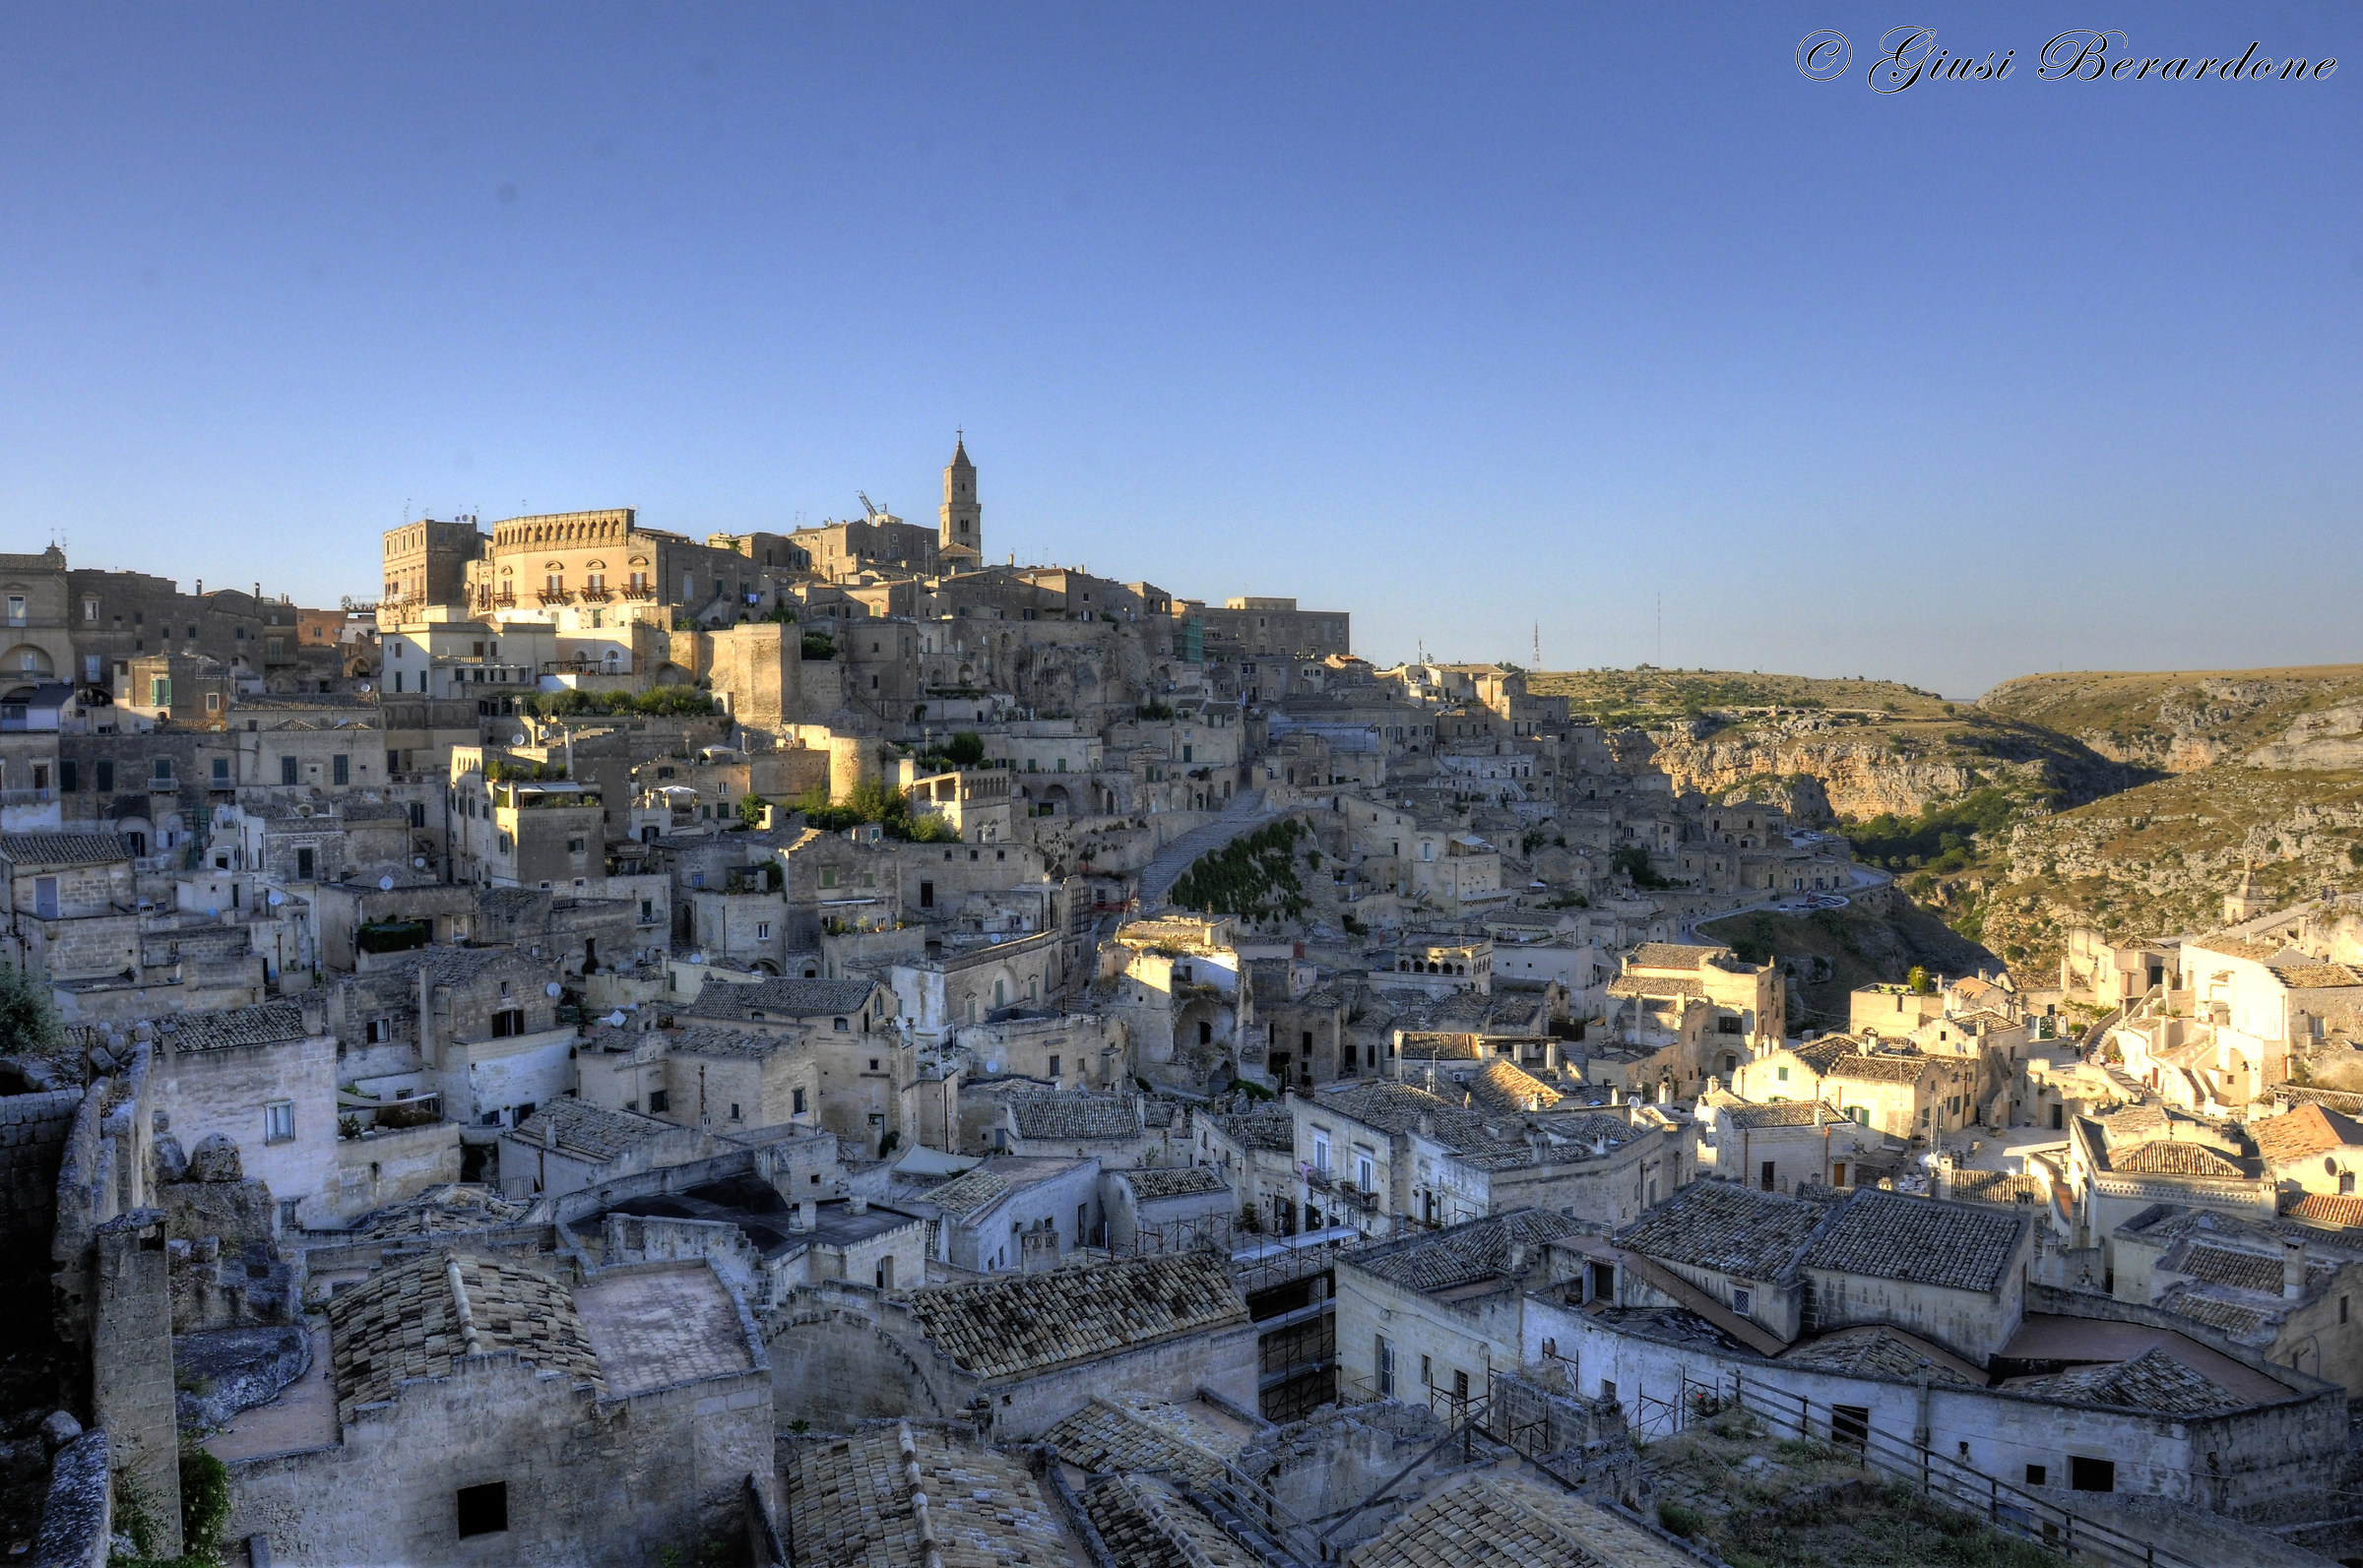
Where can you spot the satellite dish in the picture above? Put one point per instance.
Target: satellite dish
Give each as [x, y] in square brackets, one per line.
[697, 958]
[385, 884]
[516, 741]
[213, 913]
[554, 990]
[615, 1019]
[417, 863]
[276, 898]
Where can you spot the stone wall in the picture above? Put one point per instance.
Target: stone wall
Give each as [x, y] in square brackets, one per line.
[79, 1514]
[130, 1365]
[590, 1481]
[33, 1143]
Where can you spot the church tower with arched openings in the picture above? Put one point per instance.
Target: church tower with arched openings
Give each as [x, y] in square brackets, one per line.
[961, 542]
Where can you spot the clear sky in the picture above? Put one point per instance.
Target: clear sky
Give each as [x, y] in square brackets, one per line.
[1460, 318]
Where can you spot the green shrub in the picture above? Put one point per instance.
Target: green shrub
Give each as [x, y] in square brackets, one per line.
[1679, 1519]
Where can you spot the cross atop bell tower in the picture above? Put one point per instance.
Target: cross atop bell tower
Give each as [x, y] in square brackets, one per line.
[960, 540]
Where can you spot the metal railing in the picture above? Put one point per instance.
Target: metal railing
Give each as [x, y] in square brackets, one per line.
[2004, 1507]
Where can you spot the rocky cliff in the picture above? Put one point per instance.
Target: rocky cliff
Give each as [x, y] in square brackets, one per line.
[1860, 767]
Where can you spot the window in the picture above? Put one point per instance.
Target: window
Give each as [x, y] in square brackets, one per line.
[1387, 1368]
[1054, 1067]
[1781, 1074]
[2035, 1475]
[1850, 1424]
[734, 1110]
[279, 1121]
[104, 769]
[927, 895]
[161, 773]
[303, 865]
[762, 928]
[221, 770]
[659, 1100]
[340, 769]
[1320, 1154]
[828, 876]
[1460, 1385]
[66, 776]
[1767, 1175]
[2091, 1475]
[483, 1510]
[797, 1107]
[1427, 1372]
[1742, 1301]
[508, 1022]
[287, 769]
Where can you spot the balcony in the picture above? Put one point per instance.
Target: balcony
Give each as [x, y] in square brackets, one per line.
[639, 590]
[1347, 1193]
[597, 594]
[554, 597]
[1317, 1179]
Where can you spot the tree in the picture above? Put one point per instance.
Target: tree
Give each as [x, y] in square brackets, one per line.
[965, 749]
[1920, 982]
[29, 1023]
[751, 807]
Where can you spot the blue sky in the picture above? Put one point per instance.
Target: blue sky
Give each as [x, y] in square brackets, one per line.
[1463, 319]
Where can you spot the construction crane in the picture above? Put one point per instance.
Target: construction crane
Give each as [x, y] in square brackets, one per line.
[871, 511]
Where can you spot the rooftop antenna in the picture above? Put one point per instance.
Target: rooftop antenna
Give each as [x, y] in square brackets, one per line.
[1661, 629]
[1537, 645]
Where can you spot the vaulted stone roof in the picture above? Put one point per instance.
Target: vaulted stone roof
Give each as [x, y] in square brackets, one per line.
[405, 1322]
[1881, 1352]
[1030, 1323]
[442, 1210]
[1505, 1089]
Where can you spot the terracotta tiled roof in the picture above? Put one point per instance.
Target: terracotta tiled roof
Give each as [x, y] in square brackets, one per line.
[1879, 1351]
[1889, 1236]
[2150, 1381]
[1475, 1250]
[1879, 1069]
[1727, 1227]
[1075, 1115]
[1002, 1328]
[21, 849]
[1501, 1519]
[2307, 1130]
[404, 1322]
[1505, 1089]
[1799, 1113]
[1656, 985]
[2322, 1209]
[783, 1000]
[710, 1041]
[969, 1195]
[1173, 1181]
[1275, 1128]
[441, 1211]
[2235, 1319]
[1672, 956]
[2313, 976]
[264, 1024]
[1145, 1524]
[589, 1132]
[1129, 1431]
[848, 1503]
[2172, 1157]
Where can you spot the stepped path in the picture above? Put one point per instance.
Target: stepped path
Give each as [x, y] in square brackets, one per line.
[1244, 814]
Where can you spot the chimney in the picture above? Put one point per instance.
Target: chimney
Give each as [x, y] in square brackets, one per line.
[550, 1132]
[806, 1215]
[1517, 1257]
[856, 1204]
[1940, 1177]
[2293, 1269]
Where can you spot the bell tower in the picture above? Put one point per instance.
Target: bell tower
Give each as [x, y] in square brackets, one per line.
[960, 540]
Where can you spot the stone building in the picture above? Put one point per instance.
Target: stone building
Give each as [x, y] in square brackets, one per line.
[426, 563]
[264, 1076]
[1435, 1312]
[429, 1429]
